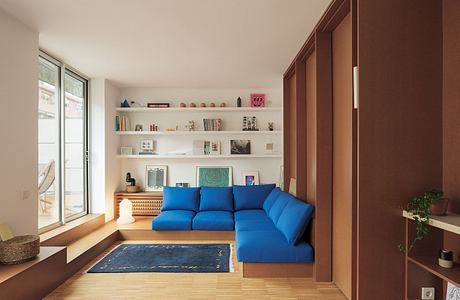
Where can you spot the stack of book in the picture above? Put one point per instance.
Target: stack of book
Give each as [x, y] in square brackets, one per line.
[212, 124]
[122, 123]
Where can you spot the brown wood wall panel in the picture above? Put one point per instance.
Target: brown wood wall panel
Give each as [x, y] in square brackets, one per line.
[323, 209]
[342, 181]
[310, 86]
[301, 134]
[292, 130]
[451, 102]
[400, 131]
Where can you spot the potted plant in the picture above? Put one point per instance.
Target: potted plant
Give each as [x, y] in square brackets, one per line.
[421, 207]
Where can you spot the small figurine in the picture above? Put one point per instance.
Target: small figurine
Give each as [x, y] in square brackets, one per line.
[192, 104]
[270, 126]
[124, 103]
[132, 187]
[212, 104]
[223, 104]
[238, 102]
[202, 104]
[130, 180]
[182, 104]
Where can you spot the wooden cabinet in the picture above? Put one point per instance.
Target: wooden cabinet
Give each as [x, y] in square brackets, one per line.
[144, 203]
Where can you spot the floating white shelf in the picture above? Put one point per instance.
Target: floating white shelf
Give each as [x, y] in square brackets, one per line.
[223, 156]
[198, 132]
[450, 222]
[198, 109]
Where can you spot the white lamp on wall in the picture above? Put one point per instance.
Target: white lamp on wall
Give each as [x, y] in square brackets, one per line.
[126, 212]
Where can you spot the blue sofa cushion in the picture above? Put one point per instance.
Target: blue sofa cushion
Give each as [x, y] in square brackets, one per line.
[213, 220]
[279, 205]
[251, 196]
[271, 198]
[294, 220]
[179, 198]
[249, 214]
[270, 247]
[263, 224]
[173, 220]
[216, 198]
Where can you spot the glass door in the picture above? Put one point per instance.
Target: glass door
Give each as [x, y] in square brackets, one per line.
[75, 154]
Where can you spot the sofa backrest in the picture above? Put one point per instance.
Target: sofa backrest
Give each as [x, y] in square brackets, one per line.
[216, 199]
[179, 198]
[294, 219]
[271, 198]
[251, 196]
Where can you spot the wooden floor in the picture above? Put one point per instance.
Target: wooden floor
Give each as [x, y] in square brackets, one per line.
[189, 285]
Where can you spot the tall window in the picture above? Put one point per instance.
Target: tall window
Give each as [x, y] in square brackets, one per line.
[62, 144]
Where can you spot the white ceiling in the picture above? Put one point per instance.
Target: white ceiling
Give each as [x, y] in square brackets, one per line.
[173, 43]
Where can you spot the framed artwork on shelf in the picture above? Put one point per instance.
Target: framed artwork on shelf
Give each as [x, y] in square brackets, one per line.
[183, 184]
[250, 177]
[269, 148]
[214, 176]
[155, 178]
[146, 146]
[257, 100]
[239, 147]
[126, 150]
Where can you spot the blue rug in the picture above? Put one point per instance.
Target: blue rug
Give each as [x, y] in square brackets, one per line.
[173, 258]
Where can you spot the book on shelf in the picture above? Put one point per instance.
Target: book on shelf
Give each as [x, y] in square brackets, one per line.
[122, 123]
[212, 124]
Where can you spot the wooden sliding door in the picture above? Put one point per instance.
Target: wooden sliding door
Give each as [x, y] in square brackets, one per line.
[342, 177]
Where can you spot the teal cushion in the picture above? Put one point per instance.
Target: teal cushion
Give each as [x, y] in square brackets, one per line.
[271, 198]
[179, 198]
[279, 205]
[294, 220]
[216, 199]
[251, 196]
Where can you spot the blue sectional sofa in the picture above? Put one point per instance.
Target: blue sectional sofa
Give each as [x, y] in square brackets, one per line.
[269, 224]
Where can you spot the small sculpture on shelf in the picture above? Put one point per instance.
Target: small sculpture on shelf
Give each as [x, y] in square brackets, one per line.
[202, 104]
[131, 187]
[182, 104]
[212, 104]
[270, 126]
[223, 104]
[239, 102]
[192, 126]
[192, 104]
[124, 103]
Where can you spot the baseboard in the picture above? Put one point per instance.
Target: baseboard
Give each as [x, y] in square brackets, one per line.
[194, 235]
[264, 270]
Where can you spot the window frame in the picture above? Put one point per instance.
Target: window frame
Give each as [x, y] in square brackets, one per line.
[60, 119]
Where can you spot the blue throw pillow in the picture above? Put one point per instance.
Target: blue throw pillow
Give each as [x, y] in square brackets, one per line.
[294, 220]
[216, 198]
[271, 198]
[251, 196]
[279, 205]
[179, 198]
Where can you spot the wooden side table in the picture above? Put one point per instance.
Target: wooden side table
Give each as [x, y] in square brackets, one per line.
[144, 203]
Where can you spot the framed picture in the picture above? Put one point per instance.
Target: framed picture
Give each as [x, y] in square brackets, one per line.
[269, 148]
[257, 100]
[214, 176]
[146, 147]
[215, 148]
[183, 184]
[138, 127]
[155, 178]
[240, 147]
[126, 150]
[250, 177]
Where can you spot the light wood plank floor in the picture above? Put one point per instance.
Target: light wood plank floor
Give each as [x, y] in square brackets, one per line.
[189, 285]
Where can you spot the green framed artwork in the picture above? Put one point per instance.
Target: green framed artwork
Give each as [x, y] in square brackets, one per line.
[214, 176]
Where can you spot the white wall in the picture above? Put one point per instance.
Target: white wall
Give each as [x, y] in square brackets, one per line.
[183, 170]
[18, 125]
[103, 99]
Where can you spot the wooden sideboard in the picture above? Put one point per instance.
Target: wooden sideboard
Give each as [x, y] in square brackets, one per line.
[144, 203]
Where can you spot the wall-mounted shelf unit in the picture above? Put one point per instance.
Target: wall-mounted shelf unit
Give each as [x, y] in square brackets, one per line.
[199, 132]
[422, 267]
[199, 109]
[244, 156]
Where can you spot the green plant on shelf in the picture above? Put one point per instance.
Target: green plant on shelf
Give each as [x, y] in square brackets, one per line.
[420, 208]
